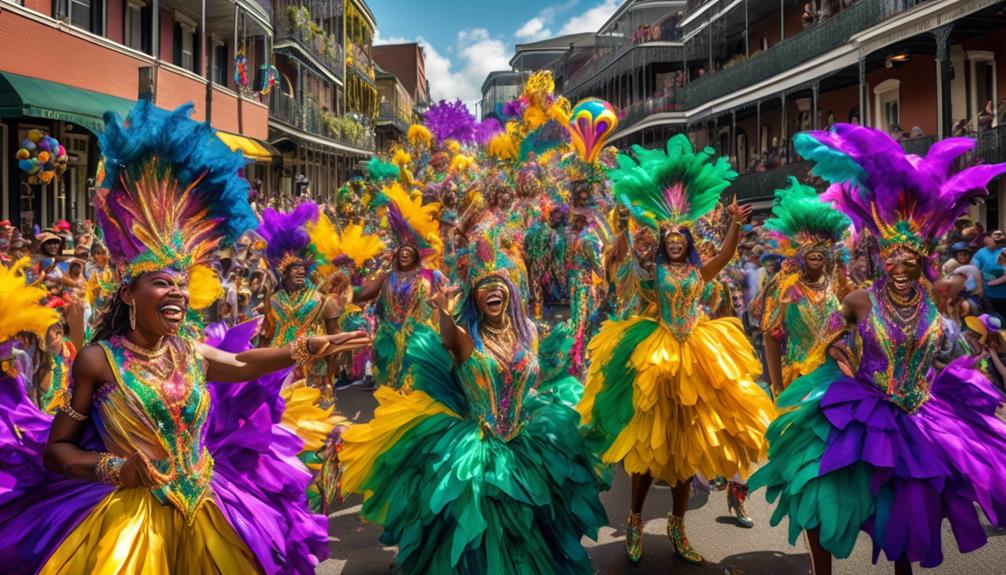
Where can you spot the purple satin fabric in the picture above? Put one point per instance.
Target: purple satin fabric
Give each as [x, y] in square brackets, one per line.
[928, 465]
[258, 481]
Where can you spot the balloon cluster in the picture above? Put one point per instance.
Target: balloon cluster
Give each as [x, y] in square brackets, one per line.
[42, 157]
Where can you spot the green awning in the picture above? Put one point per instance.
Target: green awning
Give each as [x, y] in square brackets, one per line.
[24, 96]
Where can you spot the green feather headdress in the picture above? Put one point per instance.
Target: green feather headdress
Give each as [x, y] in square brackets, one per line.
[801, 220]
[672, 187]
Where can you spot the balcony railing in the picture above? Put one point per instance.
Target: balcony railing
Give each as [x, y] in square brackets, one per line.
[295, 25]
[620, 48]
[991, 147]
[786, 55]
[647, 107]
[392, 113]
[760, 186]
[358, 58]
[311, 118]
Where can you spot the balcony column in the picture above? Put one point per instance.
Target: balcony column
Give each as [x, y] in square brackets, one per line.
[758, 127]
[862, 91]
[942, 35]
[782, 20]
[783, 137]
[709, 66]
[747, 23]
[734, 152]
[155, 32]
[815, 91]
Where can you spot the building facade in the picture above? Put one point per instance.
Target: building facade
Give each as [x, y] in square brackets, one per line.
[66, 62]
[318, 138]
[745, 75]
[396, 113]
[407, 63]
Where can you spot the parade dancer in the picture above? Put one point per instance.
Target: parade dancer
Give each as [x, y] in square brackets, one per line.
[896, 444]
[674, 394]
[514, 486]
[145, 470]
[404, 293]
[803, 296]
[298, 308]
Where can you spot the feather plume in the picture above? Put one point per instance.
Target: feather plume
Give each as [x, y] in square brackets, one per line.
[172, 191]
[23, 310]
[411, 222]
[286, 235]
[333, 247]
[672, 186]
[801, 219]
[906, 200]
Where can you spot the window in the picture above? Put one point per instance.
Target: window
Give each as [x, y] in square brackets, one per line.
[84, 14]
[185, 48]
[220, 64]
[134, 25]
[887, 104]
[984, 92]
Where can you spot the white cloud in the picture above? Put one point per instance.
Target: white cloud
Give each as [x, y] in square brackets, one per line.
[476, 53]
[533, 30]
[378, 39]
[591, 19]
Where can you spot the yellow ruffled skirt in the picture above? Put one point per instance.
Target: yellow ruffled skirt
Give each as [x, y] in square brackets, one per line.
[130, 531]
[695, 406]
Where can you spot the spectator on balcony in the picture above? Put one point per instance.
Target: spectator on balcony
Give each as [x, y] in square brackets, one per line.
[809, 17]
[916, 133]
[960, 129]
[986, 117]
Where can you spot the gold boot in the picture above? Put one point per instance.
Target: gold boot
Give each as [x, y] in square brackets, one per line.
[634, 537]
[682, 548]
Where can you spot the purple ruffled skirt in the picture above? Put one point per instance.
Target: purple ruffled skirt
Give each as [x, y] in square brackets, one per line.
[935, 463]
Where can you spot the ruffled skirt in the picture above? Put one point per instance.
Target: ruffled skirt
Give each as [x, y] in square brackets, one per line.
[846, 459]
[456, 499]
[671, 408]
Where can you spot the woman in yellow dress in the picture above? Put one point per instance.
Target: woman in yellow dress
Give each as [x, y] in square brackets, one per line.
[148, 467]
[675, 394]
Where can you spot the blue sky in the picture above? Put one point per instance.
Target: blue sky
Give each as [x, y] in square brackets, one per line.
[466, 39]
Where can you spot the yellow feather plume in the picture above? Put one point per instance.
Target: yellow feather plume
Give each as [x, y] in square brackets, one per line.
[401, 158]
[204, 287]
[502, 147]
[423, 219]
[419, 135]
[352, 243]
[22, 311]
[452, 146]
[462, 163]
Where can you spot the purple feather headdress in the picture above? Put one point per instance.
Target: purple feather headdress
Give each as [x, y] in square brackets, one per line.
[451, 121]
[907, 201]
[286, 235]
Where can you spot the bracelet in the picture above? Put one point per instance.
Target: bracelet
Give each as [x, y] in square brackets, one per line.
[109, 469]
[300, 351]
[65, 407]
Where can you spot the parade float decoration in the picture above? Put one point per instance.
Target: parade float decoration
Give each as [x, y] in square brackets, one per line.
[41, 157]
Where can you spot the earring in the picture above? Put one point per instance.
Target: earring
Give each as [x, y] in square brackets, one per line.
[132, 317]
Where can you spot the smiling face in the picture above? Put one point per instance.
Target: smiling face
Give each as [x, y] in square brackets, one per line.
[675, 247]
[161, 300]
[814, 263]
[50, 248]
[493, 298]
[294, 277]
[407, 258]
[903, 268]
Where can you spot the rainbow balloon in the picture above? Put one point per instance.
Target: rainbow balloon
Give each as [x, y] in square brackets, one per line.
[590, 124]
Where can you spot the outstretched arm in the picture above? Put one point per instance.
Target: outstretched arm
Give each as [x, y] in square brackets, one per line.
[370, 289]
[227, 367]
[739, 215]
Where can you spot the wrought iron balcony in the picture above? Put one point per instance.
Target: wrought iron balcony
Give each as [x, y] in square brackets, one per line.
[311, 118]
[991, 147]
[761, 186]
[393, 114]
[623, 58]
[296, 26]
[359, 60]
[791, 52]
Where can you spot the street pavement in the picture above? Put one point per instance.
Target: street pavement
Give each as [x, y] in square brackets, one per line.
[729, 549]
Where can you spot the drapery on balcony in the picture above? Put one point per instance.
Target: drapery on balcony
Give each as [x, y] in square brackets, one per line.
[297, 25]
[313, 119]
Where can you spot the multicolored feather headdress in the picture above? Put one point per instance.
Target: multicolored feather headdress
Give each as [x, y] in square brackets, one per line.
[286, 236]
[172, 194]
[335, 249]
[413, 223]
[672, 187]
[802, 222]
[905, 200]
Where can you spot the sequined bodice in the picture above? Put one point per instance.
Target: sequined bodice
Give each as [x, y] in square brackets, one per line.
[897, 354]
[158, 407]
[496, 392]
[679, 290]
[806, 321]
[296, 314]
[408, 295]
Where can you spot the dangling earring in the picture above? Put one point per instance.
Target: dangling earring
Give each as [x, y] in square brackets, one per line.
[132, 317]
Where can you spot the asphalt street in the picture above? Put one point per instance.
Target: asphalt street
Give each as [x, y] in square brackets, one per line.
[729, 549]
